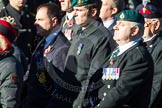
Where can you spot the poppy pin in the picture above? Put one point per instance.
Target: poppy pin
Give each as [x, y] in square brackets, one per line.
[47, 50]
[111, 62]
[42, 78]
[70, 23]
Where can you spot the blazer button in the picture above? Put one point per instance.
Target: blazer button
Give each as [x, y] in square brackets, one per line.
[103, 99]
[150, 46]
[108, 86]
[105, 94]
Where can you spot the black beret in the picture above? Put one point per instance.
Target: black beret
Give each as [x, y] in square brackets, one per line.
[149, 11]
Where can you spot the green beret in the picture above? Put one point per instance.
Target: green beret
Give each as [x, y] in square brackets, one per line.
[74, 2]
[130, 15]
[84, 2]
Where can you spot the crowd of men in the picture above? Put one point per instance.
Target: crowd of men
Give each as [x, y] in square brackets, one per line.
[80, 54]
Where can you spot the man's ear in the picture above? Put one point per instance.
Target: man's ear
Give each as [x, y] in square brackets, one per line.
[134, 30]
[157, 24]
[114, 11]
[94, 12]
[54, 21]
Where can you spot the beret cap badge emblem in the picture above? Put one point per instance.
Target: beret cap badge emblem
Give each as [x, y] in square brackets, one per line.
[80, 2]
[122, 16]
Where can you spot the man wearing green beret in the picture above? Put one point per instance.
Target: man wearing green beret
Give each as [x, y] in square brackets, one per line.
[68, 25]
[128, 72]
[89, 48]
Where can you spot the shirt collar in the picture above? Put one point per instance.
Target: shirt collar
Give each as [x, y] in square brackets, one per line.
[108, 23]
[123, 48]
[151, 38]
[50, 37]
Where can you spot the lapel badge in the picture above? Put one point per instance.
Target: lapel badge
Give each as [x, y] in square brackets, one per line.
[42, 78]
[47, 50]
[111, 62]
[79, 48]
[70, 23]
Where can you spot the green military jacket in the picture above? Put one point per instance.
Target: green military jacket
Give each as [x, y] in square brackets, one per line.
[88, 50]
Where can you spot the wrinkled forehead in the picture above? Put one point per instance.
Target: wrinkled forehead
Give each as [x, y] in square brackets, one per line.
[122, 22]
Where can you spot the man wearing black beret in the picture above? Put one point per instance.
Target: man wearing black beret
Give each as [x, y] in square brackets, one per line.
[152, 38]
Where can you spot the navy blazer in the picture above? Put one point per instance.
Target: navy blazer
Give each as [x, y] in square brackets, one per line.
[155, 48]
[58, 51]
[40, 83]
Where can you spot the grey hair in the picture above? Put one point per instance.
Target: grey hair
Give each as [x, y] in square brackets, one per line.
[140, 26]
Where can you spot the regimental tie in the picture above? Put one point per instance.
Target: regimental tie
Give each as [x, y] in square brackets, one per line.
[114, 54]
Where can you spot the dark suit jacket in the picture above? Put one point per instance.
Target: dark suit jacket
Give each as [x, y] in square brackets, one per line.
[41, 85]
[113, 44]
[110, 28]
[54, 64]
[59, 48]
[133, 87]
[155, 48]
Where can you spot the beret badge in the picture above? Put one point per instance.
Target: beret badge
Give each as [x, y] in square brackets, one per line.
[9, 19]
[122, 16]
[80, 2]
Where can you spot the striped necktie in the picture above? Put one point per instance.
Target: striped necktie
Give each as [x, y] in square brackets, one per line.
[115, 53]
